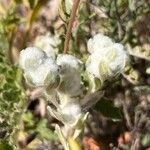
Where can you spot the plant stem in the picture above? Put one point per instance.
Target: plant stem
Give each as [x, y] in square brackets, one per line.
[70, 25]
[11, 40]
[33, 14]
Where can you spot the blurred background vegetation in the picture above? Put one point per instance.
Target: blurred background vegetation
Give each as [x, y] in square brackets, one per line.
[121, 119]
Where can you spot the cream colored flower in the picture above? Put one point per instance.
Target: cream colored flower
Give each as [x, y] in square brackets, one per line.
[72, 118]
[69, 114]
[106, 61]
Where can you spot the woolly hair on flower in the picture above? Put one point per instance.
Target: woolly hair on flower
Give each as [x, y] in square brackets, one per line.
[31, 58]
[48, 44]
[71, 112]
[106, 61]
[69, 87]
[39, 70]
[68, 62]
[98, 42]
[68, 114]
[44, 75]
[69, 76]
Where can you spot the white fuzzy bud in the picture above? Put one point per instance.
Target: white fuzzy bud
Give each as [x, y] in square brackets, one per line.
[71, 112]
[39, 70]
[70, 75]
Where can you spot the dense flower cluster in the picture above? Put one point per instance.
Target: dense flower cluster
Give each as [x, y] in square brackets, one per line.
[60, 75]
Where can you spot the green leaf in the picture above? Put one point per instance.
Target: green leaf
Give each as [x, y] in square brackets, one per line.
[62, 12]
[44, 131]
[28, 119]
[107, 108]
[94, 83]
[5, 146]
[68, 6]
[32, 3]
[131, 74]
[140, 51]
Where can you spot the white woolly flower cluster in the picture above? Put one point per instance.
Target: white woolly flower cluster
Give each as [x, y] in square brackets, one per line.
[107, 58]
[61, 76]
[68, 90]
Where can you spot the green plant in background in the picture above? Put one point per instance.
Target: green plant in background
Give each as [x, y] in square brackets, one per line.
[11, 97]
[11, 100]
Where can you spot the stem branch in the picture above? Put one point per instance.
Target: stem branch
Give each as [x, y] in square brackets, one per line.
[70, 25]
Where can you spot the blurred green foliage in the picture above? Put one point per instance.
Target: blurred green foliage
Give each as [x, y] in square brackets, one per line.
[11, 92]
[107, 108]
[11, 98]
[40, 127]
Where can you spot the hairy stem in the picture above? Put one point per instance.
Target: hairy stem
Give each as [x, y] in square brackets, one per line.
[70, 25]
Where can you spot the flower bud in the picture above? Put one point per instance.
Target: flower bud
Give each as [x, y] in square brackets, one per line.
[71, 112]
[70, 75]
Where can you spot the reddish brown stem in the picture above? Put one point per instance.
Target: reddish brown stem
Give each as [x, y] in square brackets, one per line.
[70, 25]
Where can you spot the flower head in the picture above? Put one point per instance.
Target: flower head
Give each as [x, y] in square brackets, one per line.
[31, 58]
[39, 70]
[69, 114]
[70, 76]
[107, 60]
